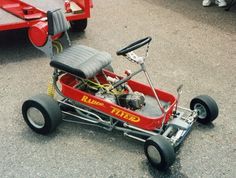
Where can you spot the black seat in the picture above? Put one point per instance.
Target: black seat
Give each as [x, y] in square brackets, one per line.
[79, 60]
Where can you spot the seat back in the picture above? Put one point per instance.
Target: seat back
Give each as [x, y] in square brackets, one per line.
[57, 22]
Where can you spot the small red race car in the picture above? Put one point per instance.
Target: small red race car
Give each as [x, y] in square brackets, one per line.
[92, 94]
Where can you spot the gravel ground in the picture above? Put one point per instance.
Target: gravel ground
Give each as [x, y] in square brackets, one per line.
[191, 45]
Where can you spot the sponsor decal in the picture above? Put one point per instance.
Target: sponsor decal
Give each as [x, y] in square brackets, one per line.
[124, 115]
[91, 101]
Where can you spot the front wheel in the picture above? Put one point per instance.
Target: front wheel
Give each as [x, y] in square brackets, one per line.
[42, 114]
[159, 152]
[206, 108]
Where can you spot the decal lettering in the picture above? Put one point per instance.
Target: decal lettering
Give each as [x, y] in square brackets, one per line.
[88, 100]
[124, 115]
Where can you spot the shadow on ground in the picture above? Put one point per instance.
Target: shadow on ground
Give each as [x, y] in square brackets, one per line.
[15, 46]
[97, 135]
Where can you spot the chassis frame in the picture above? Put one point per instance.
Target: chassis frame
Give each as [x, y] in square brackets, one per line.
[181, 120]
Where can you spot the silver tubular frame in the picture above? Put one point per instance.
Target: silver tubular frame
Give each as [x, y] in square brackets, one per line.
[175, 130]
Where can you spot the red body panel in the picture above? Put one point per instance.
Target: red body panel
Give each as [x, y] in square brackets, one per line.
[68, 83]
[22, 9]
[33, 14]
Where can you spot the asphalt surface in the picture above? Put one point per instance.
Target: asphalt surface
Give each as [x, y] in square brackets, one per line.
[191, 45]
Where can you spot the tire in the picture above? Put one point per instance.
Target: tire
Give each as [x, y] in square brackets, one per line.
[206, 107]
[78, 25]
[42, 114]
[159, 152]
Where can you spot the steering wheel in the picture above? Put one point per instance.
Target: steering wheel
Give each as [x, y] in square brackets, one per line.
[133, 46]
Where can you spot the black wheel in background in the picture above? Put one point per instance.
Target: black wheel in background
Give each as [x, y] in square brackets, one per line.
[159, 152]
[42, 113]
[78, 25]
[206, 108]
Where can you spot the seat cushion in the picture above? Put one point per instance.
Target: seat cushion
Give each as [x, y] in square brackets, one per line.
[81, 61]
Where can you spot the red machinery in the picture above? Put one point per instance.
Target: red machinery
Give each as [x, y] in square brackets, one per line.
[17, 14]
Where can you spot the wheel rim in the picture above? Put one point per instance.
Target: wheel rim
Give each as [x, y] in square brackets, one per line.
[154, 154]
[35, 118]
[201, 110]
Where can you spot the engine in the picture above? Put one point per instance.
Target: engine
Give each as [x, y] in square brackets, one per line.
[133, 101]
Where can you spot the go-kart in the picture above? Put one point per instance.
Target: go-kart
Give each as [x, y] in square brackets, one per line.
[91, 93]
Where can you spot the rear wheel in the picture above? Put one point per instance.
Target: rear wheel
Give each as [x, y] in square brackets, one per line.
[159, 152]
[42, 114]
[206, 108]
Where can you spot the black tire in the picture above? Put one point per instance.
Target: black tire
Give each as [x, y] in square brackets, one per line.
[47, 110]
[79, 25]
[206, 107]
[159, 152]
